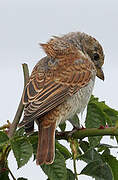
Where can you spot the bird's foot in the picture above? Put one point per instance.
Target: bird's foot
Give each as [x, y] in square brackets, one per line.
[75, 129]
[59, 133]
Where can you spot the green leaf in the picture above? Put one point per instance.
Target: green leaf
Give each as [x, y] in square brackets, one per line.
[22, 150]
[99, 178]
[84, 145]
[20, 132]
[70, 175]
[62, 126]
[3, 138]
[98, 169]
[94, 141]
[91, 155]
[106, 152]
[63, 150]
[34, 141]
[94, 119]
[75, 121]
[103, 147]
[112, 114]
[4, 175]
[108, 114]
[113, 163]
[57, 170]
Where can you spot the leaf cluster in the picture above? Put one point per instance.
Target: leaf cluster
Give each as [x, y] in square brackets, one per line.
[100, 163]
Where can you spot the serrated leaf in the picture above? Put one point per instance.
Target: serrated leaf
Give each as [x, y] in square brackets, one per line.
[75, 121]
[108, 146]
[34, 141]
[62, 126]
[94, 119]
[103, 147]
[63, 150]
[3, 138]
[111, 113]
[99, 179]
[98, 169]
[104, 115]
[22, 150]
[57, 170]
[94, 141]
[84, 145]
[70, 175]
[113, 163]
[91, 155]
[20, 132]
[106, 152]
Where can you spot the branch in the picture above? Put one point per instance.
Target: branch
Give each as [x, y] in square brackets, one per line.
[18, 114]
[82, 133]
[5, 126]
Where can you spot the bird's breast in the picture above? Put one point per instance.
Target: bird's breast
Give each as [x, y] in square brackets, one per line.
[75, 103]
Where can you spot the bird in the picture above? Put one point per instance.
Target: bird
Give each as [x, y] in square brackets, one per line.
[60, 86]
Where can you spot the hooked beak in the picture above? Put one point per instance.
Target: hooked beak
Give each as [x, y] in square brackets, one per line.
[100, 73]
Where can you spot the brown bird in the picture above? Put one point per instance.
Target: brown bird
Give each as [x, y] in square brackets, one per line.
[60, 86]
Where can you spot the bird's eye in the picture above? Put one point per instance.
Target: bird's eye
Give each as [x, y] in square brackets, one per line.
[95, 56]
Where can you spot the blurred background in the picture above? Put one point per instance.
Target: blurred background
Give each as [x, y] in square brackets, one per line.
[26, 23]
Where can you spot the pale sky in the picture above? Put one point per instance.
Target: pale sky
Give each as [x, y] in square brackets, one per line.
[25, 23]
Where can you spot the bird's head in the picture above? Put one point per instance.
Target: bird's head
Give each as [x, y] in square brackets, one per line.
[94, 50]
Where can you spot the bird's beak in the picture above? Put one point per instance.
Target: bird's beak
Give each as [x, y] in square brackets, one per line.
[100, 73]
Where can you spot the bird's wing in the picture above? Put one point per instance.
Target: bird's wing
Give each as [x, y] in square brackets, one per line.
[49, 87]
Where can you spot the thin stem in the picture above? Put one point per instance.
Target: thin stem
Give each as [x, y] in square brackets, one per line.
[74, 148]
[75, 169]
[21, 106]
[26, 73]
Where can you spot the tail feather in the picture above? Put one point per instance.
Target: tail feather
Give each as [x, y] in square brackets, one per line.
[46, 144]
[42, 145]
[51, 145]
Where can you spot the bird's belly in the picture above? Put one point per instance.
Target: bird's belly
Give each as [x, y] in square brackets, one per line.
[76, 103]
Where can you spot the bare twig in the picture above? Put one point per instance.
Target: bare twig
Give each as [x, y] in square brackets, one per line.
[5, 126]
[21, 106]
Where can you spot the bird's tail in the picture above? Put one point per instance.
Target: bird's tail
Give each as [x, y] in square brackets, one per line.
[46, 143]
